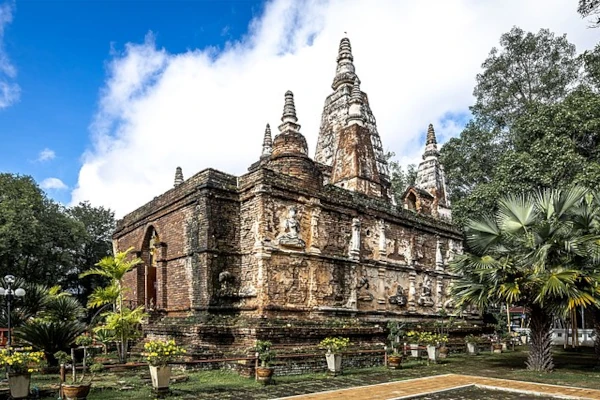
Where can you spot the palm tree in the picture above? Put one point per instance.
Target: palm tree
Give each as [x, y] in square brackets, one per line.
[121, 319]
[533, 253]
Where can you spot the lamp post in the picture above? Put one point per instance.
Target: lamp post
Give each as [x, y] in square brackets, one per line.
[10, 294]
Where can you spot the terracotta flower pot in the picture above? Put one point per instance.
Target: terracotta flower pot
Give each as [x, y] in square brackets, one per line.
[76, 392]
[444, 351]
[264, 374]
[497, 348]
[19, 385]
[394, 362]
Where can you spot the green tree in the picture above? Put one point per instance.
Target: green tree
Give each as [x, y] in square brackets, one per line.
[590, 8]
[98, 224]
[400, 179]
[37, 238]
[533, 252]
[121, 320]
[528, 69]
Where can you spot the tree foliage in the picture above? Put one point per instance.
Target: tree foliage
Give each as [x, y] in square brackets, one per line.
[590, 8]
[541, 251]
[48, 243]
[545, 135]
[400, 179]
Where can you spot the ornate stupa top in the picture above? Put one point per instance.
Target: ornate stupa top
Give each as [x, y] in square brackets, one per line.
[431, 143]
[178, 177]
[267, 143]
[355, 111]
[345, 72]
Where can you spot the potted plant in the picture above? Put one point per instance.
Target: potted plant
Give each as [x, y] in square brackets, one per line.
[20, 365]
[158, 354]
[396, 329]
[413, 339]
[472, 342]
[264, 371]
[432, 341]
[335, 346]
[442, 349]
[79, 388]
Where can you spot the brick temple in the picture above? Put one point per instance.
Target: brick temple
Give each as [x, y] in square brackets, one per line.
[296, 241]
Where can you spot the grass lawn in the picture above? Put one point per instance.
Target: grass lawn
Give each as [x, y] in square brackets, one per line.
[572, 369]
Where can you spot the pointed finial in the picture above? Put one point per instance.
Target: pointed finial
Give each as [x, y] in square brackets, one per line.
[289, 119]
[344, 72]
[178, 177]
[289, 109]
[431, 149]
[267, 143]
[345, 50]
[431, 135]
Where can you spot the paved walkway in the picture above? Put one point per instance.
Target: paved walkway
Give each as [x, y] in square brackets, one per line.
[413, 387]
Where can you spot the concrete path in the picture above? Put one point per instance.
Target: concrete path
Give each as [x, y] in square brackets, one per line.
[412, 387]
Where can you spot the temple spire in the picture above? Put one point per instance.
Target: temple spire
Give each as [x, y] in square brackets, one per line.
[289, 118]
[267, 143]
[178, 177]
[345, 72]
[431, 149]
[355, 111]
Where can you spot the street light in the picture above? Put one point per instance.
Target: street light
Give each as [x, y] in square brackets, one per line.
[10, 294]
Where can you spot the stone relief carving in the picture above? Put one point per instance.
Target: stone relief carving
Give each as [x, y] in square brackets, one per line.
[291, 237]
[363, 290]
[426, 299]
[439, 289]
[439, 260]
[226, 284]
[449, 303]
[412, 291]
[354, 252]
[399, 298]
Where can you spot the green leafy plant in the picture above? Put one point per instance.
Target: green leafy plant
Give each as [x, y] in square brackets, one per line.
[396, 330]
[265, 354]
[335, 344]
[159, 353]
[473, 339]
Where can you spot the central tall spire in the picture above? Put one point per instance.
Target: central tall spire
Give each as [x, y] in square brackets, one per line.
[348, 105]
[345, 72]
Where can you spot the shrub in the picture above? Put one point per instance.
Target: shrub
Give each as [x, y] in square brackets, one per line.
[21, 362]
[159, 353]
[265, 354]
[335, 344]
[473, 339]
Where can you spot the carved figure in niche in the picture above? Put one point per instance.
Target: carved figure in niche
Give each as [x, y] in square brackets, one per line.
[408, 252]
[314, 231]
[226, 282]
[355, 241]
[426, 300]
[439, 260]
[291, 236]
[363, 287]
[449, 303]
[153, 244]
[399, 298]
[256, 233]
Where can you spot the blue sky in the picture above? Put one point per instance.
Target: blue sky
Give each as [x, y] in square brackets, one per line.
[60, 50]
[113, 95]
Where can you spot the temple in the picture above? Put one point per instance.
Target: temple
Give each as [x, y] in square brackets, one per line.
[296, 242]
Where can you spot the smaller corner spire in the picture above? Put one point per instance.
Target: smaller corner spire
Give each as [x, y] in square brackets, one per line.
[289, 119]
[178, 177]
[267, 143]
[431, 149]
[355, 112]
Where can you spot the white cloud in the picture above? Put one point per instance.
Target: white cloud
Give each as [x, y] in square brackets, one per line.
[46, 155]
[203, 108]
[9, 91]
[53, 183]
